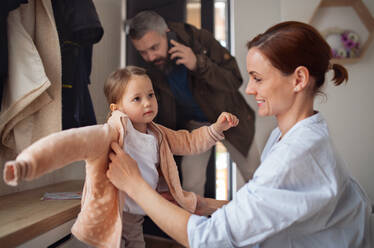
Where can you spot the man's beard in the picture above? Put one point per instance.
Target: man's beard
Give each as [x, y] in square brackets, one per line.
[165, 67]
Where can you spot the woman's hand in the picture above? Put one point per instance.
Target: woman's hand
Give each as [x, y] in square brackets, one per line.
[226, 121]
[123, 171]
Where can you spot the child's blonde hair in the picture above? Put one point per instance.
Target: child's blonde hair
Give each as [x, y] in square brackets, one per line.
[115, 85]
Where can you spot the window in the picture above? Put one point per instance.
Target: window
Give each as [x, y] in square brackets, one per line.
[223, 163]
[193, 14]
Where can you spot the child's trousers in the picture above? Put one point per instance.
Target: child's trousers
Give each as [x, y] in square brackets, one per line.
[132, 231]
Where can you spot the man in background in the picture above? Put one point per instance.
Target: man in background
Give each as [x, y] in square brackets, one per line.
[195, 79]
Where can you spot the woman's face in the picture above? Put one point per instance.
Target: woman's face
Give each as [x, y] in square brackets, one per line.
[274, 92]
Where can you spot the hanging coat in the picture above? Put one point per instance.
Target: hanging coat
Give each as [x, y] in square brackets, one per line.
[31, 106]
[78, 27]
[5, 7]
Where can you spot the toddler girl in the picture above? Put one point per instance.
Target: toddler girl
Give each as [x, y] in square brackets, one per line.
[133, 106]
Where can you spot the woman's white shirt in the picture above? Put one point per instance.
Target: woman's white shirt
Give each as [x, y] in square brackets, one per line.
[300, 196]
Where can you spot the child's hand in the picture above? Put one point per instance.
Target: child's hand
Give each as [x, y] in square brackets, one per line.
[226, 121]
[14, 172]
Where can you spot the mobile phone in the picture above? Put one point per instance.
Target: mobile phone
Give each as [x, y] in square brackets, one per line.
[171, 36]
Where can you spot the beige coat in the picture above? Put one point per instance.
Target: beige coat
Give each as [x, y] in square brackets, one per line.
[99, 223]
[31, 106]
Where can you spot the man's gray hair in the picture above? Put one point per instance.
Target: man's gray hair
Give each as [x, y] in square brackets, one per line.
[144, 22]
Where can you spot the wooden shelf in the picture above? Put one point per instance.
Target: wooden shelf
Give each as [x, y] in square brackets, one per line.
[365, 17]
[346, 60]
[23, 216]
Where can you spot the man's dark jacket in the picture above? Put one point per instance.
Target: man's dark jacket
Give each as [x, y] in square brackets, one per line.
[214, 84]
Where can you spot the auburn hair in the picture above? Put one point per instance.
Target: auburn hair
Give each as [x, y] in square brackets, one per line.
[290, 44]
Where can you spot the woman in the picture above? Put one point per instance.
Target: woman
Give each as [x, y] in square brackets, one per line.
[300, 196]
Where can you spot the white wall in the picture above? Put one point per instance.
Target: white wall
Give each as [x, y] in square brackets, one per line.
[348, 109]
[107, 53]
[250, 19]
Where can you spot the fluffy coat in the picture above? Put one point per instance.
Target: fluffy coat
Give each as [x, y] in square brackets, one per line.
[100, 221]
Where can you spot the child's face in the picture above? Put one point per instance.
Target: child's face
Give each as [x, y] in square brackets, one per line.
[139, 101]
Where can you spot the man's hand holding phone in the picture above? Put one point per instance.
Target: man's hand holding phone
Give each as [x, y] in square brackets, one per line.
[182, 55]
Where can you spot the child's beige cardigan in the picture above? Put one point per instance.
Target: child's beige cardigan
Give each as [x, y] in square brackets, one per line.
[99, 223]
